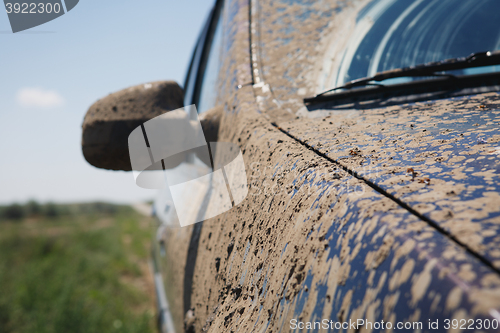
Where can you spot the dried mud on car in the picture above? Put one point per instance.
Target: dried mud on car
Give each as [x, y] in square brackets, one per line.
[313, 241]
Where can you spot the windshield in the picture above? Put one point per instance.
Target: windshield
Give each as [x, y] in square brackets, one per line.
[392, 34]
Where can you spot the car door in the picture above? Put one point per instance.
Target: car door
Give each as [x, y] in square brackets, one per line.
[199, 90]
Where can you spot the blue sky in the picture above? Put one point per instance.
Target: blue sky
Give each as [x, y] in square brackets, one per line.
[51, 74]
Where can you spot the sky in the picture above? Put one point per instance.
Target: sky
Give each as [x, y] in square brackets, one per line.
[51, 74]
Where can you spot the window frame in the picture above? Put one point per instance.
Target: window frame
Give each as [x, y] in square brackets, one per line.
[199, 58]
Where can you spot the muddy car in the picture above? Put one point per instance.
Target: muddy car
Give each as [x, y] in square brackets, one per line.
[370, 135]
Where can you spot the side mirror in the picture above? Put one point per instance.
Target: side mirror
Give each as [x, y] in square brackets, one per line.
[109, 121]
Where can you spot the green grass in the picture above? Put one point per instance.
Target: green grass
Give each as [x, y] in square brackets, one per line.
[79, 272]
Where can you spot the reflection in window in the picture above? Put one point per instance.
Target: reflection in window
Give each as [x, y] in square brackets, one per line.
[392, 34]
[208, 93]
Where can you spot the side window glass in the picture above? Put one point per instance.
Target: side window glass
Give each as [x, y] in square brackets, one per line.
[190, 82]
[208, 92]
[200, 86]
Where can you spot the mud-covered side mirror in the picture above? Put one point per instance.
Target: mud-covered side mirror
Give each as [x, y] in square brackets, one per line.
[109, 121]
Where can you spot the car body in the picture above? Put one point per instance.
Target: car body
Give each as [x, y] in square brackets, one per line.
[375, 212]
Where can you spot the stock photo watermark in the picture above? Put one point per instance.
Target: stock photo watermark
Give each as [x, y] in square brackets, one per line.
[212, 174]
[27, 14]
[170, 152]
[414, 326]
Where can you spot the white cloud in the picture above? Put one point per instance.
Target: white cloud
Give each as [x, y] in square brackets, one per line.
[39, 98]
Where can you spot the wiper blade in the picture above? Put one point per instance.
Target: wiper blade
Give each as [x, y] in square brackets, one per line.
[409, 92]
[478, 59]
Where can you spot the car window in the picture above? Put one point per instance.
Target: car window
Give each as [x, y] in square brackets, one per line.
[391, 34]
[208, 93]
[190, 80]
[200, 83]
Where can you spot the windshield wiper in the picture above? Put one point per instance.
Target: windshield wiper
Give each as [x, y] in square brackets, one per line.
[479, 59]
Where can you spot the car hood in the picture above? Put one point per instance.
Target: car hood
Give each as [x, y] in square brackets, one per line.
[439, 159]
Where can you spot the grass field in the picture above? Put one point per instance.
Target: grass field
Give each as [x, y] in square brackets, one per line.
[82, 269]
